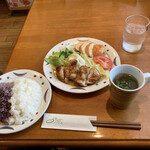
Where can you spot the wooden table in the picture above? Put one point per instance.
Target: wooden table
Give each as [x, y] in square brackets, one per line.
[52, 21]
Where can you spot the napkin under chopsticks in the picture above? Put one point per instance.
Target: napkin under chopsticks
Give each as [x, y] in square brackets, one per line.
[68, 122]
[114, 124]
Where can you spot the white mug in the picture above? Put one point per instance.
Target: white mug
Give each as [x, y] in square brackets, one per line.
[119, 97]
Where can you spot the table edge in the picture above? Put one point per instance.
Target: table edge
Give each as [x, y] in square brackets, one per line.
[77, 143]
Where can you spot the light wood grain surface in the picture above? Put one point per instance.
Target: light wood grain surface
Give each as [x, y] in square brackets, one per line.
[51, 21]
[10, 27]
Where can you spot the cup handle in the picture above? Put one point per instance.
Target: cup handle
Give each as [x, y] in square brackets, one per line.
[147, 78]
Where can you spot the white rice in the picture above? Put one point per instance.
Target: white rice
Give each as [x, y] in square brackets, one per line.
[25, 100]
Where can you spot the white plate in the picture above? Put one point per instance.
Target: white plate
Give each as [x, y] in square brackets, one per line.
[45, 100]
[48, 71]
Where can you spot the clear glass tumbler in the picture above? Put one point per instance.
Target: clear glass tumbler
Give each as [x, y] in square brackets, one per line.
[135, 32]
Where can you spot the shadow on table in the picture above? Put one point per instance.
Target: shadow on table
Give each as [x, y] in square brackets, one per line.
[131, 113]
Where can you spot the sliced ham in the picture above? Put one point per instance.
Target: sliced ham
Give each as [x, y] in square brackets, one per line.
[83, 47]
[90, 48]
[98, 50]
[90, 53]
[78, 45]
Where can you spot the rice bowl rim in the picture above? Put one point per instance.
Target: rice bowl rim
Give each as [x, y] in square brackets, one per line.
[44, 102]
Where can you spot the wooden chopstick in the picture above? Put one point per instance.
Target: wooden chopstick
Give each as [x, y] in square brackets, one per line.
[114, 124]
[117, 122]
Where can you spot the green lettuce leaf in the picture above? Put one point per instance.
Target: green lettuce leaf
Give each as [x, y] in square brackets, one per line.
[58, 58]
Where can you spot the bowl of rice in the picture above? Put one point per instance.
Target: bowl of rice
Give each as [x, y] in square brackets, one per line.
[24, 97]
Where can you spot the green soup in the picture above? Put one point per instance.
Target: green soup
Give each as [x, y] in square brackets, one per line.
[126, 81]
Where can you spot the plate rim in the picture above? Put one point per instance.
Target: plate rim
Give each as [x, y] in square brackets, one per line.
[73, 39]
[48, 103]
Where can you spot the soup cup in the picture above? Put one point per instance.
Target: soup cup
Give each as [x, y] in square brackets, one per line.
[119, 97]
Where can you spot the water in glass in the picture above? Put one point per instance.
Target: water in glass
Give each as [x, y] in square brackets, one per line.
[133, 37]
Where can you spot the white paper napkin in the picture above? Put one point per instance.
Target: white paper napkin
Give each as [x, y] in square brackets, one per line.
[68, 122]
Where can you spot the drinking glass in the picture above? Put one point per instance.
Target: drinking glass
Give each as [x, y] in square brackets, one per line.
[135, 32]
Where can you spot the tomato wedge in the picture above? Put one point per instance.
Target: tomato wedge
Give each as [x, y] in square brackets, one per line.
[105, 62]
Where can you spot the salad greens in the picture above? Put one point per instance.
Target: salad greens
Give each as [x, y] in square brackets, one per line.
[92, 64]
[58, 58]
[63, 58]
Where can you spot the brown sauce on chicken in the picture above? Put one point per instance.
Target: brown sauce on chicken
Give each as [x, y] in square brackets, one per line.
[82, 76]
